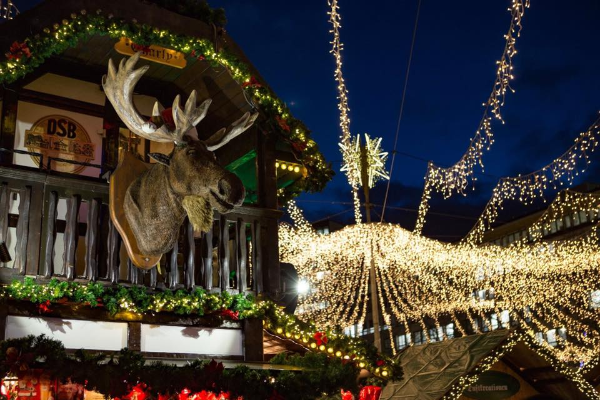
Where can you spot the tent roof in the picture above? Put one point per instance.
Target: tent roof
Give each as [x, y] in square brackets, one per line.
[432, 370]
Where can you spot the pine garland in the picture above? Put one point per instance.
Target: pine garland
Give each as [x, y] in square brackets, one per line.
[118, 376]
[139, 300]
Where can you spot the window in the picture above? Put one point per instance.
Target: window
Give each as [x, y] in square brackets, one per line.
[436, 334]
[505, 318]
[553, 227]
[567, 221]
[449, 330]
[494, 321]
[576, 220]
[583, 217]
[559, 224]
[419, 337]
[595, 299]
[551, 337]
[403, 341]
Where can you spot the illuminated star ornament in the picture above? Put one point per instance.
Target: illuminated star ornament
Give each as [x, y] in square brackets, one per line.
[370, 156]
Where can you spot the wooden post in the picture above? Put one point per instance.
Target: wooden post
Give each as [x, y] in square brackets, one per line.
[253, 340]
[134, 336]
[267, 198]
[8, 119]
[257, 270]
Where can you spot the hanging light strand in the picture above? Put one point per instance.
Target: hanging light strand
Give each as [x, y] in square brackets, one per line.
[345, 137]
[526, 188]
[455, 179]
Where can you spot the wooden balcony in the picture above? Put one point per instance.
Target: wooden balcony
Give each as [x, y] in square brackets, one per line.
[58, 226]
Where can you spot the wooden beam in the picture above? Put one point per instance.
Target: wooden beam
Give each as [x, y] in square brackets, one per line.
[63, 103]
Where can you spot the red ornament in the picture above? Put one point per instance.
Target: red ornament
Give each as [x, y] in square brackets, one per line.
[282, 124]
[18, 50]
[369, 393]
[299, 146]
[320, 338]
[252, 83]
[380, 363]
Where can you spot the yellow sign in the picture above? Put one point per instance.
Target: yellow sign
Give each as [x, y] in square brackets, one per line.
[60, 137]
[153, 53]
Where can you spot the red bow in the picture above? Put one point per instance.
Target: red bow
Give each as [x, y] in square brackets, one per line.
[320, 338]
[18, 50]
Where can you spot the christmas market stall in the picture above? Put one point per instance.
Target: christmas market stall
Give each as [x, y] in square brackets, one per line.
[142, 162]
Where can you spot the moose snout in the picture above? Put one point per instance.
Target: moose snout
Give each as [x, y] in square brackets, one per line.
[231, 189]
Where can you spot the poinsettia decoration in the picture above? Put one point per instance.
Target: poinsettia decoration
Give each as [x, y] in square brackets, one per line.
[321, 338]
[232, 315]
[140, 47]
[18, 50]
[44, 307]
[282, 124]
[253, 82]
[198, 55]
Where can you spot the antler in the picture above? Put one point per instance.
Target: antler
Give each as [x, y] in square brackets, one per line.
[225, 135]
[118, 86]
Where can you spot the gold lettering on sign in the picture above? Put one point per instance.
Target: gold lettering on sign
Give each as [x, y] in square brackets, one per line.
[153, 53]
[58, 136]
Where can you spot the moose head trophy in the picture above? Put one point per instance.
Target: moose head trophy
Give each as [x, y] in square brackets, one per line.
[189, 181]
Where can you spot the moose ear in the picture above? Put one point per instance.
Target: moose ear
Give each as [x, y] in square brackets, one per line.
[160, 158]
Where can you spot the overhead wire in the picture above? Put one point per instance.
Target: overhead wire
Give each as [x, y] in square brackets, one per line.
[410, 56]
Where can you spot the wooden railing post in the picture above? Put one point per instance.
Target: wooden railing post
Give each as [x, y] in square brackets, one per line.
[242, 255]
[4, 208]
[50, 235]
[257, 270]
[91, 240]
[224, 252]
[114, 247]
[189, 253]
[207, 261]
[71, 236]
[23, 230]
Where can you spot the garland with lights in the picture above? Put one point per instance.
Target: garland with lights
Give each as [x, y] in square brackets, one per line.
[541, 286]
[224, 306]
[127, 373]
[23, 57]
[465, 381]
[455, 179]
[526, 188]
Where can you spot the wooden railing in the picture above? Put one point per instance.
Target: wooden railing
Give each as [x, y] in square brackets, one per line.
[59, 213]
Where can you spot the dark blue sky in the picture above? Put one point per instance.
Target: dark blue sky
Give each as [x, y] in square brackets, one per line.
[557, 83]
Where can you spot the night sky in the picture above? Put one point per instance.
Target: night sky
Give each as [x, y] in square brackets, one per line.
[557, 83]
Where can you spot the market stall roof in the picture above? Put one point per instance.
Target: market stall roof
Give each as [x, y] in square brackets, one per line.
[431, 370]
[208, 74]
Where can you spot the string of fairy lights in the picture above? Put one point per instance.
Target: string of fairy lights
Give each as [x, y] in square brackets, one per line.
[455, 178]
[526, 188]
[345, 137]
[541, 285]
